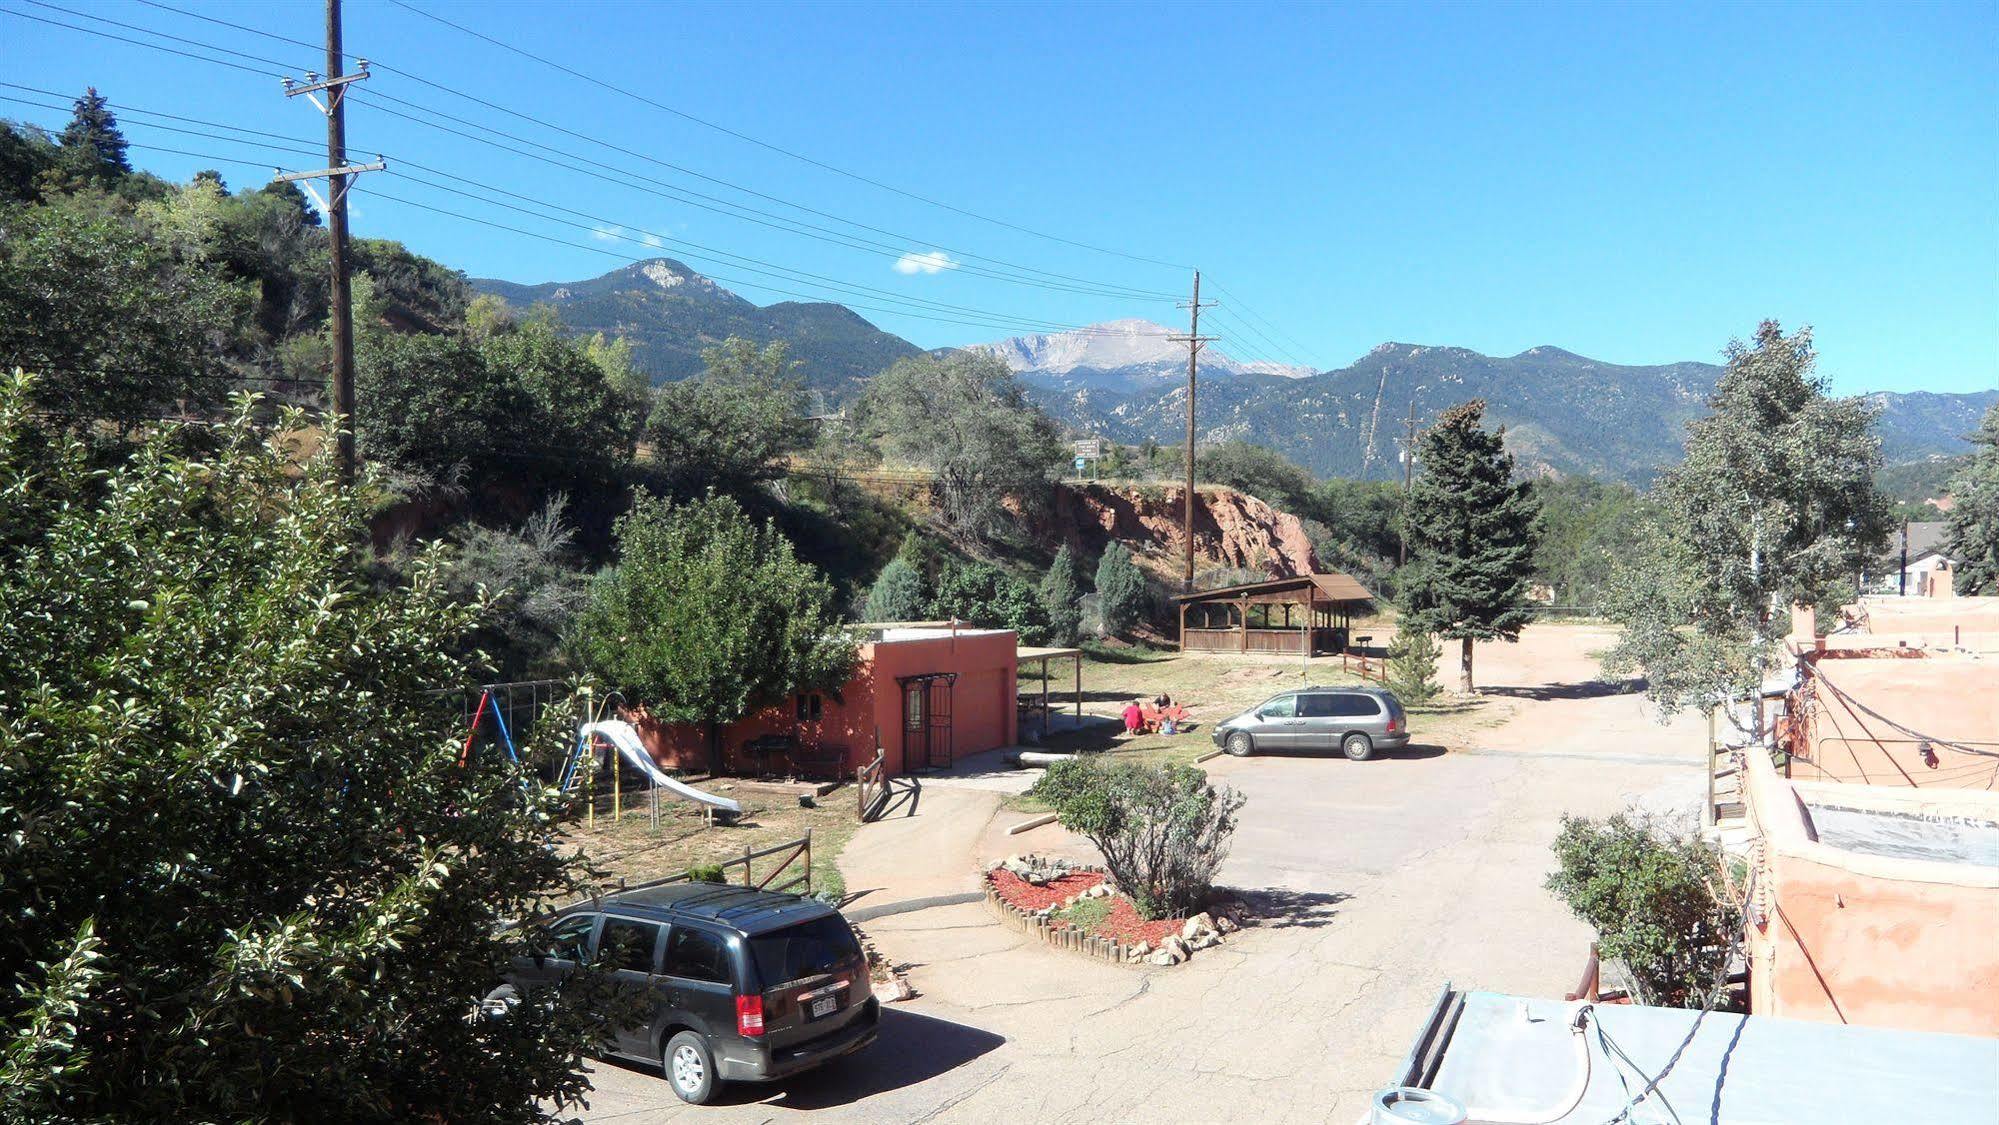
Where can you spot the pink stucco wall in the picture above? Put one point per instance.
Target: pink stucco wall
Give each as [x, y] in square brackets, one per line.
[1850, 937]
[869, 705]
[1944, 696]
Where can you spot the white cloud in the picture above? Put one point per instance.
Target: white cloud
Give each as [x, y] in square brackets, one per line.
[936, 261]
[654, 241]
[607, 234]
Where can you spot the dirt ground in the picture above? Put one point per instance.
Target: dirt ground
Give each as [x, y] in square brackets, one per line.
[631, 847]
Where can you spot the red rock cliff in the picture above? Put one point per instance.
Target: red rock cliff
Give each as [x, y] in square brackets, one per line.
[1231, 528]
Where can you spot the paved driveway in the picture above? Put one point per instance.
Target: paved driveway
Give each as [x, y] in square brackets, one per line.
[1382, 880]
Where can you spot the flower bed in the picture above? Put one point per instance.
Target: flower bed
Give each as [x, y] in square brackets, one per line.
[1034, 893]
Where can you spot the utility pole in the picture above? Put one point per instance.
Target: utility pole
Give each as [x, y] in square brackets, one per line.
[1194, 341]
[1408, 465]
[337, 173]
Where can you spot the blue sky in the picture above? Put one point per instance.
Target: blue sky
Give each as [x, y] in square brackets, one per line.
[1634, 182]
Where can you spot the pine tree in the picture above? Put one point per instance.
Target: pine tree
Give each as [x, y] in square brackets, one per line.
[1973, 536]
[1120, 590]
[93, 148]
[1472, 531]
[1412, 666]
[897, 594]
[1060, 591]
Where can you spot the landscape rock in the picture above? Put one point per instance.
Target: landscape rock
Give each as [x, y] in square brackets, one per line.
[1142, 948]
[1197, 925]
[1226, 925]
[1175, 944]
[1167, 957]
[1205, 939]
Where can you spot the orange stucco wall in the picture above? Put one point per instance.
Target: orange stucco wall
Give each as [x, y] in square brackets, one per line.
[869, 705]
[1944, 696]
[1852, 937]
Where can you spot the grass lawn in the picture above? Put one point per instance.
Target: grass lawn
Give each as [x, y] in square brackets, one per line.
[632, 848]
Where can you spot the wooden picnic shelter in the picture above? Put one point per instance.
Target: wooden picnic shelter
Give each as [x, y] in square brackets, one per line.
[1279, 615]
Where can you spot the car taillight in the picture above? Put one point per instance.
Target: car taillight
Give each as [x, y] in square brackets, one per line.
[1394, 724]
[749, 1015]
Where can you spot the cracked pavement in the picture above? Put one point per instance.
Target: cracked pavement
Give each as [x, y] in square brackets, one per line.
[1380, 881]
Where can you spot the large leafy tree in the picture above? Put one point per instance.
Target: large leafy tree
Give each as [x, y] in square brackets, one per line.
[1973, 535]
[1263, 473]
[730, 427]
[965, 417]
[1773, 506]
[580, 414]
[1472, 531]
[433, 406]
[244, 876]
[116, 323]
[897, 594]
[984, 595]
[707, 616]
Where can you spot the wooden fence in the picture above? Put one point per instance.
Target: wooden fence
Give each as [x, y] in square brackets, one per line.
[792, 854]
[1365, 666]
[870, 788]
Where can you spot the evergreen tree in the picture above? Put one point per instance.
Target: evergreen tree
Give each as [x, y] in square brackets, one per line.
[1774, 506]
[897, 594]
[1472, 531]
[982, 594]
[93, 149]
[1412, 666]
[1061, 590]
[1121, 590]
[1973, 537]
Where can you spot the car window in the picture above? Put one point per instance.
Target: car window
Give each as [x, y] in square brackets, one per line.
[1315, 705]
[1354, 706]
[569, 937]
[696, 955]
[1283, 707]
[626, 944]
[804, 950]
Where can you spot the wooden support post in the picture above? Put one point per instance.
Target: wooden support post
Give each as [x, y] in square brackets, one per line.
[1078, 658]
[1183, 627]
[1242, 611]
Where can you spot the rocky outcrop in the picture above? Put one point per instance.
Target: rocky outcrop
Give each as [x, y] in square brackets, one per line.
[1231, 529]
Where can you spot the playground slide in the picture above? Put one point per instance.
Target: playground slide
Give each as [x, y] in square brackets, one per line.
[626, 739]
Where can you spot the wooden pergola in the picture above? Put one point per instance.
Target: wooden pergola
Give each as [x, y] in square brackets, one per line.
[1317, 610]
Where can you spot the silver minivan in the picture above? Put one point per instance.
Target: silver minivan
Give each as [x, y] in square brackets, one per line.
[1354, 721]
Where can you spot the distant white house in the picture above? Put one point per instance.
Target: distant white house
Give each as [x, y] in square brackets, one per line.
[1917, 565]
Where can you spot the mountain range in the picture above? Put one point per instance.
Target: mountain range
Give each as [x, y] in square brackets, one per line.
[1126, 380]
[670, 313]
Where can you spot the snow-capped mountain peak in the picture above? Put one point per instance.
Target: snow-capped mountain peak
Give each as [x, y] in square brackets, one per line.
[1120, 354]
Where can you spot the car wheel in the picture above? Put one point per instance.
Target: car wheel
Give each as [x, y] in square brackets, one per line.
[1239, 745]
[690, 1067]
[1357, 747]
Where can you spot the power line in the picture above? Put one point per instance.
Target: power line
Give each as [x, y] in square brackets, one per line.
[779, 148]
[1241, 306]
[142, 43]
[151, 31]
[716, 204]
[1111, 289]
[633, 258]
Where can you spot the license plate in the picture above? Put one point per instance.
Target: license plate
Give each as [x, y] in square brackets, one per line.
[825, 1007]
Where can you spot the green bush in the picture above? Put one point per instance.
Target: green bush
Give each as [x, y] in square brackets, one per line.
[706, 873]
[1061, 596]
[984, 595]
[1649, 891]
[1163, 830]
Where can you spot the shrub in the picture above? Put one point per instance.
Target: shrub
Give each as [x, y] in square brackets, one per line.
[1412, 666]
[706, 873]
[1163, 830]
[1121, 592]
[897, 594]
[990, 598]
[1649, 891]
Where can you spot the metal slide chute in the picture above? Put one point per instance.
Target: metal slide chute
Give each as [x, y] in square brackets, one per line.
[626, 738]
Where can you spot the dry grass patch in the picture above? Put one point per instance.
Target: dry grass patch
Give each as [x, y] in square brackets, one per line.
[631, 848]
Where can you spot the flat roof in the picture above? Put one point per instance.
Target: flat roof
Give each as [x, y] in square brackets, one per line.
[933, 633]
[1516, 1058]
[1336, 587]
[1030, 652]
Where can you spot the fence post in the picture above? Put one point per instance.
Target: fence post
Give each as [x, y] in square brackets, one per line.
[808, 862]
[747, 881]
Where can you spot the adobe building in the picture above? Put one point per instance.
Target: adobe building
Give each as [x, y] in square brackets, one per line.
[925, 693]
[1873, 893]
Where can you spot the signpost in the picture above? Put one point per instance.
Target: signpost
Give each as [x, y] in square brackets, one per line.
[1087, 450]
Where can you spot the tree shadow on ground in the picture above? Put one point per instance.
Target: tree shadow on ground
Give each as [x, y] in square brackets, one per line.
[1282, 908]
[1586, 689]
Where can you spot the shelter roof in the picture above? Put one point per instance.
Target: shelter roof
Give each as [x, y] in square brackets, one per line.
[1333, 587]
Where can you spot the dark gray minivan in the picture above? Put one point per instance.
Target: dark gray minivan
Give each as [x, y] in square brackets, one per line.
[1354, 721]
[737, 984]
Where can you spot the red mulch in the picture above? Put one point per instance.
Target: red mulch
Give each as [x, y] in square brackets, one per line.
[1122, 924]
